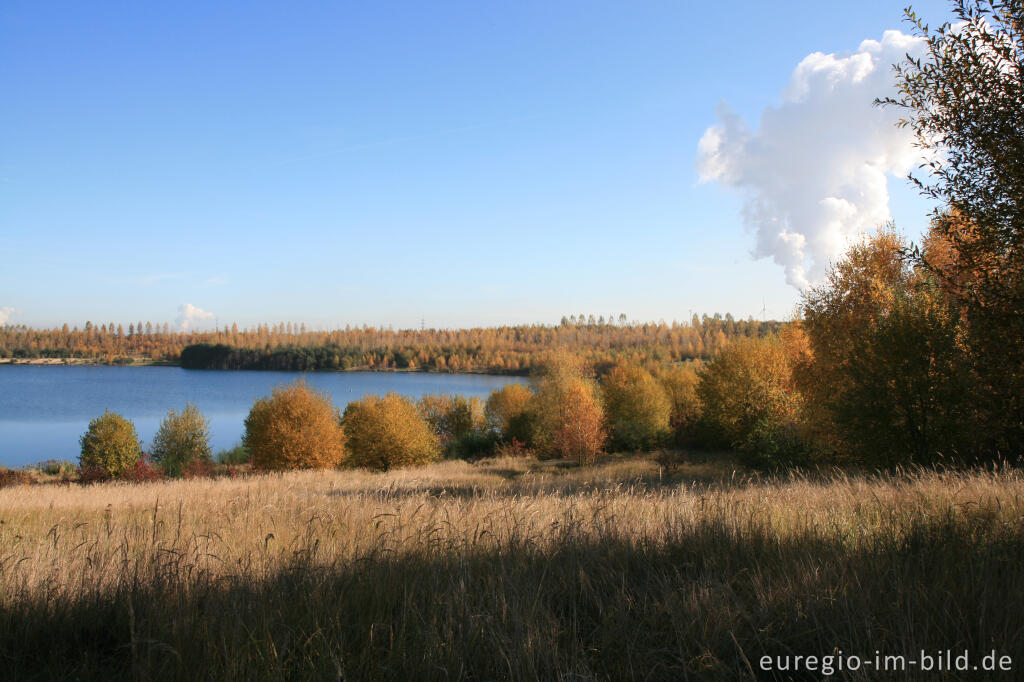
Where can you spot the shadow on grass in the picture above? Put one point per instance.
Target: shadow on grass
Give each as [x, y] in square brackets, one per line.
[705, 605]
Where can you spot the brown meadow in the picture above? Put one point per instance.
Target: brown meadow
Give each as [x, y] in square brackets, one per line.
[507, 568]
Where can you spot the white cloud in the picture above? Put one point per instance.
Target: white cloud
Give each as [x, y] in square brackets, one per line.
[191, 317]
[814, 172]
[7, 312]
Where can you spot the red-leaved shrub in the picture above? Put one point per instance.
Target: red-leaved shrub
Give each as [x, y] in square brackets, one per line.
[198, 468]
[88, 475]
[11, 477]
[515, 448]
[144, 471]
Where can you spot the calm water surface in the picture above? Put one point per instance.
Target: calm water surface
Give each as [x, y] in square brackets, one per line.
[44, 410]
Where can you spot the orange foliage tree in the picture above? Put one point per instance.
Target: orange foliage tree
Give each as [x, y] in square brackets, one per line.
[580, 434]
[293, 347]
[563, 395]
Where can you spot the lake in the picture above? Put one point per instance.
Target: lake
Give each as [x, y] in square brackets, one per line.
[44, 410]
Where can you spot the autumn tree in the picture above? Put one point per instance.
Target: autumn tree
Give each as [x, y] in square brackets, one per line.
[750, 399]
[500, 349]
[680, 384]
[637, 408]
[296, 427]
[506, 405]
[563, 394]
[110, 446]
[389, 432]
[452, 416]
[888, 381]
[964, 102]
[459, 423]
[580, 434]
[182, 440]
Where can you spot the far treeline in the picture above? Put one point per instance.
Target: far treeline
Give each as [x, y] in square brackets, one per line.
[519, 349]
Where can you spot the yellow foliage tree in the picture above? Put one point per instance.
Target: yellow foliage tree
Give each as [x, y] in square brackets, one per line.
[295, 428]
[750, 400]
[889, 377]
[504, 405]
[680, 383]
[384, 433]
[110, 446]
[637, 407]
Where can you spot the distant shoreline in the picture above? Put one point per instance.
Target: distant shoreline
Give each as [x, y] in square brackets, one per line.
[141, 362]
[135, 362]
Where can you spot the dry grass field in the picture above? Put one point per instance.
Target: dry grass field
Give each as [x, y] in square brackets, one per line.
[506, 569]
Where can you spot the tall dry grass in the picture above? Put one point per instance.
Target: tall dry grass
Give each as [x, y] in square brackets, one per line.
[505, 569]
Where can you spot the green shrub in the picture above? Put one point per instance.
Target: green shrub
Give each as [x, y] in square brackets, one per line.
[473, 445]
[182, 439]
[55, 467]
[239, 454]
[521, 428]
[384, 433]
[110, 446]
[295, 428]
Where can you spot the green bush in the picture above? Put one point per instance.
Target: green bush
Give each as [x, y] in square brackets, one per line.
[236, 455]
[55, 467]
[182, 440]
[110, 446]
[521, 428]
[473, 445]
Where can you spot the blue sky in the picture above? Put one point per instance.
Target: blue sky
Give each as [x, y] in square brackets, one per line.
[382, 163]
